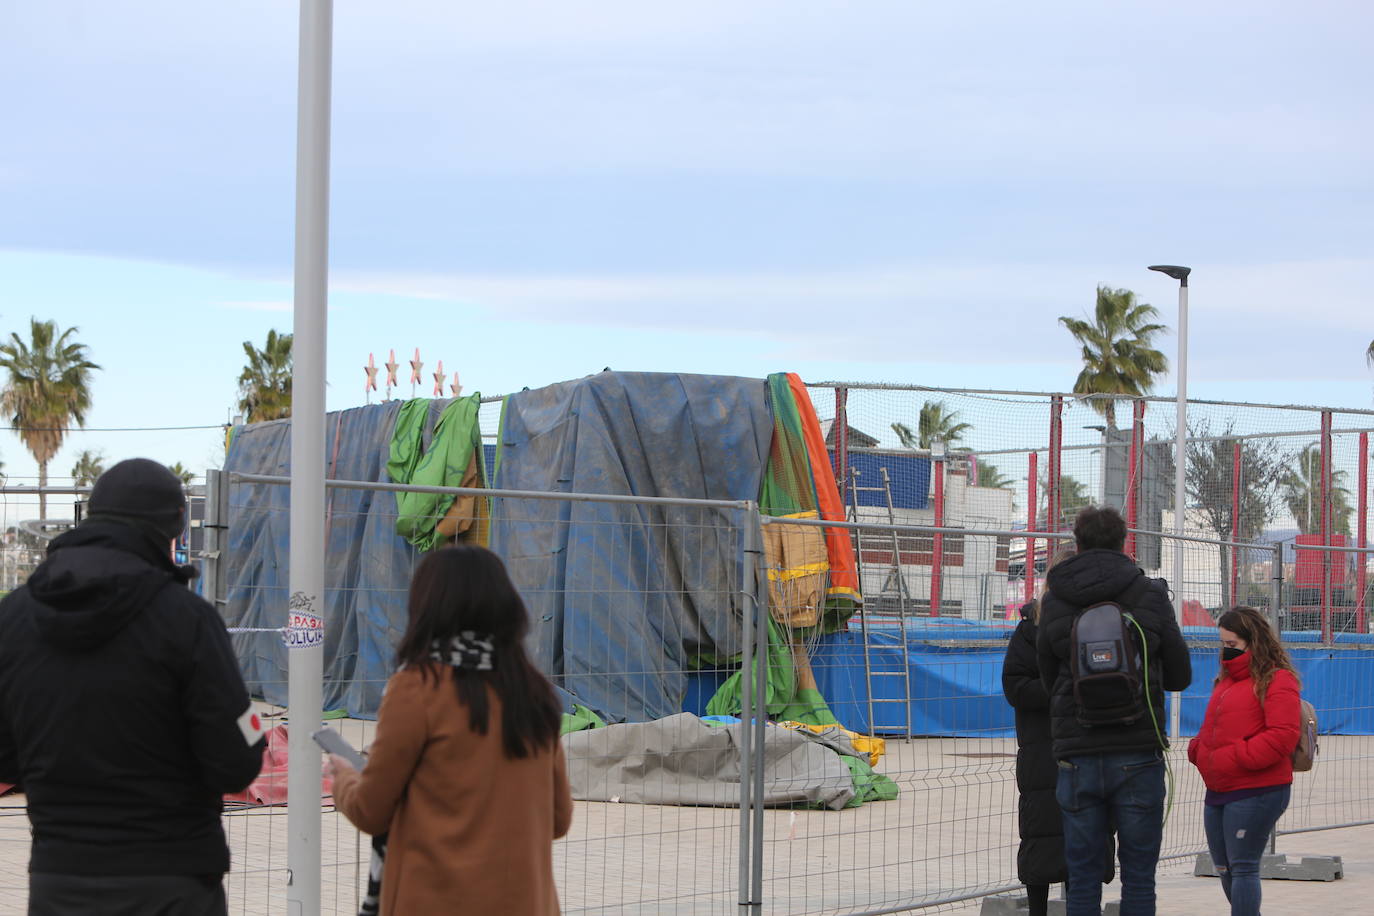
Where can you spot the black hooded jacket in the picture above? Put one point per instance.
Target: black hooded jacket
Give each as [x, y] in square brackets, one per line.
[120, 701]
[1040, 857]
[1082, 580]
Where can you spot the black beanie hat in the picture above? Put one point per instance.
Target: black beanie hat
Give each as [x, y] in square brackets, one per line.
[140, 488]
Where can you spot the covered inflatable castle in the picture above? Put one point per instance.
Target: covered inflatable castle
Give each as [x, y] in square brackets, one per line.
[630, 601]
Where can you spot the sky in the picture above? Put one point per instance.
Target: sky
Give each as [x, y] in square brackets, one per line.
[533, 191]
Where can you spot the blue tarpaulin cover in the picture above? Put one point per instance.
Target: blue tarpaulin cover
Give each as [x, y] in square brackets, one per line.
[641, 592]
[367, 565]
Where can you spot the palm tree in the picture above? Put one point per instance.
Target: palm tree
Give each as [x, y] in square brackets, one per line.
[1302, 493]
[1073, 495]
[934, 422]
[1369, 354]
[1117, 354]
[265, 383]
[89, 465]
[989, 475]
[183, 473]
[49, 386]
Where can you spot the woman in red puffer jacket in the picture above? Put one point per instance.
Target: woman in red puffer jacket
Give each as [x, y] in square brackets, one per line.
[1244, 751]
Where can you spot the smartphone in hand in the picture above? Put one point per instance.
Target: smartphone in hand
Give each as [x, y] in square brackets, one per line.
[334, 743]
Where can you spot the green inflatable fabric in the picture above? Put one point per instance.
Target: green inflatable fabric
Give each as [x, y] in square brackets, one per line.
[456, 437]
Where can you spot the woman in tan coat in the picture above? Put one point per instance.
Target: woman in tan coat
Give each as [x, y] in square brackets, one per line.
[466, 772]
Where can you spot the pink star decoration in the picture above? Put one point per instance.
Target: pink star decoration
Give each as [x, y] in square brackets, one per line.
[371, 370]
[391, 367]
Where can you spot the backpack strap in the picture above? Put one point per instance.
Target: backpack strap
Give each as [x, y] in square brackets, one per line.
[1131, 595]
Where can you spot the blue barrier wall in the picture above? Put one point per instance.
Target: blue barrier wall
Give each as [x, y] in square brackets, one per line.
[957, 689]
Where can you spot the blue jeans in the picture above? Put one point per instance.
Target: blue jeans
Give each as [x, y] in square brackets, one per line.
[1236, 836]
[1095, 792]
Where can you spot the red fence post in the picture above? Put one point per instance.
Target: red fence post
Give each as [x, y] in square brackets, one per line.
[840, 462]
[1030, 526]
[1326, 524]
[1133, 473]
[1052, 493]
[1362, 531]
[937, 553]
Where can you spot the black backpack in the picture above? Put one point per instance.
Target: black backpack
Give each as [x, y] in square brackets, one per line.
[1106, 662]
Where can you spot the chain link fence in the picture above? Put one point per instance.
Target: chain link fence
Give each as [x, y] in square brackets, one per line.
[1255, 475]
[890, 785]
[662, 827]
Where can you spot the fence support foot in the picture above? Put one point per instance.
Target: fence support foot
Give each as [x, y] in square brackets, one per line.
[1017, 905]
[1280, 867]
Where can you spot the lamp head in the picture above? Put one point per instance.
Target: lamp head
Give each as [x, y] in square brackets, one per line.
[1178, 273]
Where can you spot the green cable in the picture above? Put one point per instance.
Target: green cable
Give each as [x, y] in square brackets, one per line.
[1154, 720]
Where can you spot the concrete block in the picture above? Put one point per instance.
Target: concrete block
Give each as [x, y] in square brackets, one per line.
[1016, 905]
[1004, 905]
[1282, 868]
[1302, 868]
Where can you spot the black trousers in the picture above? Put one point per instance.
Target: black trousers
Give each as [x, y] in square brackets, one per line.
[125, 895]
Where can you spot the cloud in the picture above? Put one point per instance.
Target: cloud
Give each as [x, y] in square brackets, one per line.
[1262, 321]
[1330, 293]
[265, 305]
[268, 305]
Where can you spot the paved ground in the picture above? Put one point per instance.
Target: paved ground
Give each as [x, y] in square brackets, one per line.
[951, 830]
[1181, 894]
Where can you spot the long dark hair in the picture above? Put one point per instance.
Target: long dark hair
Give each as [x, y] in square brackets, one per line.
[1061, 553]
[1267, 654]
[466, 588]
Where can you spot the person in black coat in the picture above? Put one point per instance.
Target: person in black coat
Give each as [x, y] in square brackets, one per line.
[1111, 776]
[122, 712]
[1040, 857]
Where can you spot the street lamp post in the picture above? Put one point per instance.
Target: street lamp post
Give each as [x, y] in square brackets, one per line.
[1181, 441]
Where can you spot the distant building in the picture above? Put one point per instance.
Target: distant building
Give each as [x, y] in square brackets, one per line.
[857, 439]
[893, 487]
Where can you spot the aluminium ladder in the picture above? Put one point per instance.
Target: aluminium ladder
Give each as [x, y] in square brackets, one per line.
[894, 589]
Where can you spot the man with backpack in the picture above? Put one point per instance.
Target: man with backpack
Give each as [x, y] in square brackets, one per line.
[1109, 647]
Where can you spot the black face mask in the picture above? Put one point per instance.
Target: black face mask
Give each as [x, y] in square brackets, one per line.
[1229, 653]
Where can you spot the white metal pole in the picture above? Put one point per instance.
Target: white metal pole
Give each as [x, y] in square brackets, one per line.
[305, 633]
[1181, 464]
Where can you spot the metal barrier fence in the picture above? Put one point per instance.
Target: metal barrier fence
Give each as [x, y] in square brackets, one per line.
[732, 819]
[684, 596]
[949, 835]
[1340, 653]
